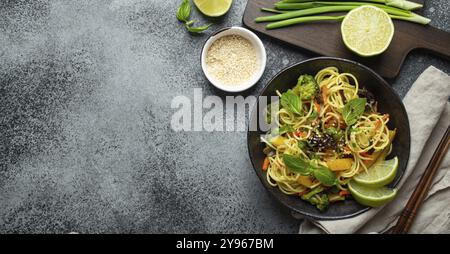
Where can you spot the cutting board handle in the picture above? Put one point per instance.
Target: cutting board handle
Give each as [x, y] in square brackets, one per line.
[435, 40]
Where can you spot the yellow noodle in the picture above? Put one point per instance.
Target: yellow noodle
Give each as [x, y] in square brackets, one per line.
[369, 133]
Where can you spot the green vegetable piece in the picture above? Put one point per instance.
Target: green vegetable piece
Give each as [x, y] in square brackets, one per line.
[184, 11]
[353, 110]
[285, 129]
[291, 102]
[302, 144]
[307, 87]
[313, 192]
[337, 134]
[323, 202]
[313, 197]
[325, 176]
[198, 29]
[313, 115]
[296, 164]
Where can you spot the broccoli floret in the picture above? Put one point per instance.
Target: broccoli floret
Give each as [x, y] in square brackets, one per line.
[322, 202]
[307, 87]
[337, 134]
[315, 198]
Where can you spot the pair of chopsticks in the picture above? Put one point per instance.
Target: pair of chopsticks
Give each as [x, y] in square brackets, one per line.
[411, 209]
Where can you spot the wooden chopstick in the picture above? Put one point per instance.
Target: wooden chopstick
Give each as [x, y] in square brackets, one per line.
[408, 214]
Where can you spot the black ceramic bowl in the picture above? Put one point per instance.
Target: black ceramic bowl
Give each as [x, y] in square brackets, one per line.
[388, 102]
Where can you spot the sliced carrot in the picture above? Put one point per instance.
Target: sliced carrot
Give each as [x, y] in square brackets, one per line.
[343, 193]
[378, 124]
[300, 134]
[317, 106]
[365, 154]
[324, 93]
[266, 163]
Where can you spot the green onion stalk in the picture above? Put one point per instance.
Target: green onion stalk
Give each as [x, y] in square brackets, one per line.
[307, 5]
[325, 9]
[402, 4]
[299, 20]
[288, 15]
[293, 21]
[273, 10]
[393, 10]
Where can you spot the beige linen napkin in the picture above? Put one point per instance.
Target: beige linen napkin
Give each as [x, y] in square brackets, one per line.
[429, 115]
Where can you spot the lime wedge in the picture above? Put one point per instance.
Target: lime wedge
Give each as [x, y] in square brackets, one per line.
[367, 30]
[369, 196]
[213, 8]
[380, 174]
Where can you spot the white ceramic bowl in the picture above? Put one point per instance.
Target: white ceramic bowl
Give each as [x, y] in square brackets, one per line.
[260, 56]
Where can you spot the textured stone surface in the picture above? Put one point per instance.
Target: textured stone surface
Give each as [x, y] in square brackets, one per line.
[86, 145]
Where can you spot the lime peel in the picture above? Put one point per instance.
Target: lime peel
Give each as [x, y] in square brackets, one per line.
[367, 30]
[373, 197]
[213, 8]
[380, 174]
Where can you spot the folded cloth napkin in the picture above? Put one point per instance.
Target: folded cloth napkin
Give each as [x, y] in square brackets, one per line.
[429, 116]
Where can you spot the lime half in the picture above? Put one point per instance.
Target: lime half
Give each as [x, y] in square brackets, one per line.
[367, 30]
[369, 196]
[213, 8]
[380, 174]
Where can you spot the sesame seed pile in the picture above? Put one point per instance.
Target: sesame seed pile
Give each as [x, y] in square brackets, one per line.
[231, 60]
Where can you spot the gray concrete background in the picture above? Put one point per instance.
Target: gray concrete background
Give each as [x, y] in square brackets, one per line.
[86, 146]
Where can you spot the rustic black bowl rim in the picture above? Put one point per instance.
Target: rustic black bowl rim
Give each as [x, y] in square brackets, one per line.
[382, 82]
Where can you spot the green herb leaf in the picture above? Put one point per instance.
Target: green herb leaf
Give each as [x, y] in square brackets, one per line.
[184, 11]
[291, 102]
[198, 29]
[337, 134]
[285, 129]
[353, 110]
[297, 164]
[313, 115]
[301, 144]
[325, 176]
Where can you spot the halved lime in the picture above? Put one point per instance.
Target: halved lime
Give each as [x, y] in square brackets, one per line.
[367, 30]
[213, 8]
[369, 196]
[380, 174]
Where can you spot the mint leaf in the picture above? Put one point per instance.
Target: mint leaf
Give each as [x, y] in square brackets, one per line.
[306, 167]
[296, 164]
[325, 176]
[198, 29]
[184, 11]
[291, 102]
[353, 110]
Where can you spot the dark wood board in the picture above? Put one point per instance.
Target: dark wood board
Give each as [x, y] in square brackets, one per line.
[324, 38]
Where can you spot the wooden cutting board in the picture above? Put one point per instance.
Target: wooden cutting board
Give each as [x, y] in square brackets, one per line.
[324, 38]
